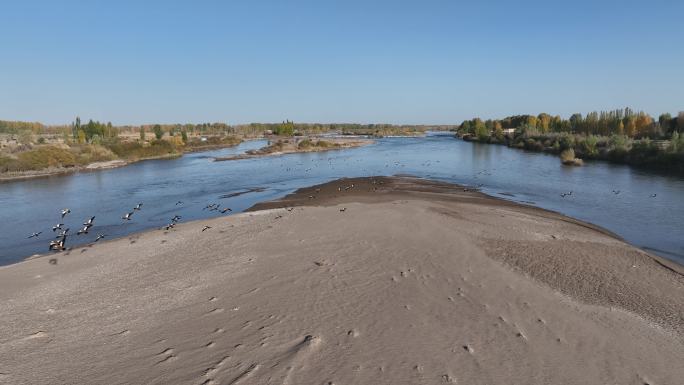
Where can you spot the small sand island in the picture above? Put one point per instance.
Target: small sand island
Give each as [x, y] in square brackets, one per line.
[280, 146]
[357, 281]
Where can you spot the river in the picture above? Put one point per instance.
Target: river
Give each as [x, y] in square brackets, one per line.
[648, 211]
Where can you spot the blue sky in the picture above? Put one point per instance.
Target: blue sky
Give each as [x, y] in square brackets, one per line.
[336, 61]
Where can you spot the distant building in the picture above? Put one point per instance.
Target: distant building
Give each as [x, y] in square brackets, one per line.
[509, 131]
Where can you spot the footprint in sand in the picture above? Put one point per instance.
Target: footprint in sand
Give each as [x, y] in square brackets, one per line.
[210, 344]
[215, 311]
[167, 355]
[212, 299]
[121, 333]
[38, 334]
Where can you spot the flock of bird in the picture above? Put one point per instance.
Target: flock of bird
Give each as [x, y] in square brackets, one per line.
[62, 232]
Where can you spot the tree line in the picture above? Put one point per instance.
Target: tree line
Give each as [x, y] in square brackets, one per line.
[625, 121]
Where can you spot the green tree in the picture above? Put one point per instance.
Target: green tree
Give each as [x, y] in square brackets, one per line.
[184, 136]
[142, 134]
[158, 132]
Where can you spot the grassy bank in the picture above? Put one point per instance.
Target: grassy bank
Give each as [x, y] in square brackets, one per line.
[55, 158]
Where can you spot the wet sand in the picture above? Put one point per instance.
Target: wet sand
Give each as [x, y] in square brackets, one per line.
[364, 281]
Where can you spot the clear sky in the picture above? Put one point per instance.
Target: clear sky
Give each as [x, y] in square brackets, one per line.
[134, 62]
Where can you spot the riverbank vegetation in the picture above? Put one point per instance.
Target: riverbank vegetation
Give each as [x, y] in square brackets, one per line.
[35, 149]
[620, 136]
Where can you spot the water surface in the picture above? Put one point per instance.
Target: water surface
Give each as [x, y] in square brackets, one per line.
[654, 223]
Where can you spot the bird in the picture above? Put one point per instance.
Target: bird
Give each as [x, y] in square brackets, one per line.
[215, 208]
[65, 212]
[209, 206]
[654, 195]
[563, 195]
[206, 228]
[89, 222]
[225, 210]
[35, 235]
[616, 192]
[127, 216]
[57, 227]
[179, 203]
[170, 226]
[343, 209]
[100, 236]
[138, 207]
[63, 233]
[84, 230]
[175, 218]
[58, 245]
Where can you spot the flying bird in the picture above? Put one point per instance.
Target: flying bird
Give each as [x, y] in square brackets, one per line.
[138, 207]
[100, 236]
[206, 228]
[654, 195]
[179, 203]
[57, 227]
[65, 212]
[89, 222]
[84, 230]
[127, 216]
[225, 210]
[35, 234]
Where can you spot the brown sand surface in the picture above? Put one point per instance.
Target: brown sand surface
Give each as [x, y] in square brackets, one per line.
[391, 281]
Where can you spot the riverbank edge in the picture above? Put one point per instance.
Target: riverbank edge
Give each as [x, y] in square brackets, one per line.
[653, 167]
[105, 165]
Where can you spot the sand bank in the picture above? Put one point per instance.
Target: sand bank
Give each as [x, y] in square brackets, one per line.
[388, 281]
[290, 145]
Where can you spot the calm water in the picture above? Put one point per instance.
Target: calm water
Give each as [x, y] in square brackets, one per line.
[655, 223]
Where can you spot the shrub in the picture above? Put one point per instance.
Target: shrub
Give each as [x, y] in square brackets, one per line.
[44, 157]
[306, 143]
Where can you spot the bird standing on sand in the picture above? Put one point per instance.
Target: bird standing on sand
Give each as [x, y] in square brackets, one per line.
[35, 235]
[206, 228]
[65, 212]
